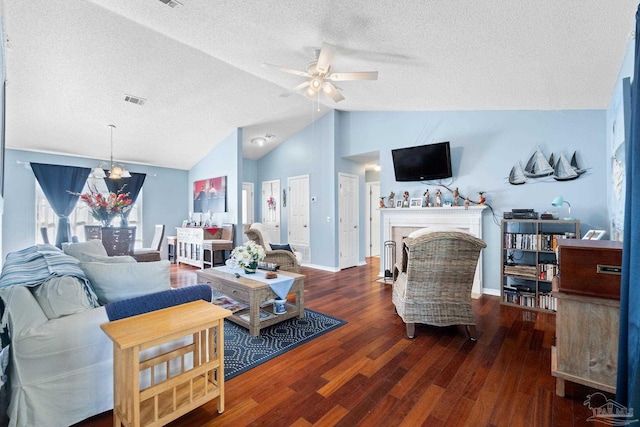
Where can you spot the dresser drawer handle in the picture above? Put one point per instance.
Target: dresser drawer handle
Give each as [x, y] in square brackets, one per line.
[609, 269]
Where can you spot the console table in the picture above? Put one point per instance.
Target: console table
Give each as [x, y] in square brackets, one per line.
[170, 395]
[191, 243]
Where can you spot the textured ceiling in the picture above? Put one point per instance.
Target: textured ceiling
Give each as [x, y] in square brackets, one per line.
[199, 66]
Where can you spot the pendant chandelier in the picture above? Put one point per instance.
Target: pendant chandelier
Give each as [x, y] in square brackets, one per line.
[115, 171]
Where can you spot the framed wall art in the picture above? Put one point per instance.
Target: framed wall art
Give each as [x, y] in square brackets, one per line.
[210, 195]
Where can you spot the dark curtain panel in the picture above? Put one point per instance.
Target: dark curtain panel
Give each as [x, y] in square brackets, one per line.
[628, 384]
[131, 185]
[57, 183]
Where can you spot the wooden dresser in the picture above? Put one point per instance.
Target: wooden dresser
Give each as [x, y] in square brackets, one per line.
[588, 312]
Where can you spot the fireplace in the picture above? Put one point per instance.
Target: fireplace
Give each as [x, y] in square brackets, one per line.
[398, 223]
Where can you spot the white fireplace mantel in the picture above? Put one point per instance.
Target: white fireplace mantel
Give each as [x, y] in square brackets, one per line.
[397, 223]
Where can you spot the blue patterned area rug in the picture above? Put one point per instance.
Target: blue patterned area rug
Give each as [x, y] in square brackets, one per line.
[243, 352]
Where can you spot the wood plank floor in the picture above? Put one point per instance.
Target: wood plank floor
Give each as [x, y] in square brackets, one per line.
[367, 373]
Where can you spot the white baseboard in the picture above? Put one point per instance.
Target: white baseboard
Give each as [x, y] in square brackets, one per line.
[321, 267]
[491, 291]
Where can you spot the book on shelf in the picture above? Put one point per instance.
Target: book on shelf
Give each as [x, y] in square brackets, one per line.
[521, 270]
[229, 303]
[531, 241]
[264, 315]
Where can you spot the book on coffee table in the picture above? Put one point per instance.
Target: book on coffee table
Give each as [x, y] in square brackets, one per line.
[229, 303]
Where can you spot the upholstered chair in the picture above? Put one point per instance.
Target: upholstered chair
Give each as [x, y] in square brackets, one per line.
[434, 279]
[151, 253]
[284, 258]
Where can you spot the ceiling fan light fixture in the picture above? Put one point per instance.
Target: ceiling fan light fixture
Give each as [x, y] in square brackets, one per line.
[327, 88]
[316, 84]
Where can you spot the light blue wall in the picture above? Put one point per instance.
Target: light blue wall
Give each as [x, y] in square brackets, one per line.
[484, 147]
[224, 160]
[162, 197]
[250, 171]
[309, 152]
[620, 101]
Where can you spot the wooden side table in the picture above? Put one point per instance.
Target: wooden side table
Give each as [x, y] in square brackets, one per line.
[200, 363]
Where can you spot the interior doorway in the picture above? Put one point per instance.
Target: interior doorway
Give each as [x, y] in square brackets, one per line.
[348, 217]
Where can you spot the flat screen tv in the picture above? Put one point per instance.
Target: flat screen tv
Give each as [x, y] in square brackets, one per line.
[423, 162]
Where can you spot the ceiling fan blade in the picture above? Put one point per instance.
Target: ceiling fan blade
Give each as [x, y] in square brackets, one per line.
[290, 70]
[355, 75]
[332, 92]
[327, 53]
[295, 89]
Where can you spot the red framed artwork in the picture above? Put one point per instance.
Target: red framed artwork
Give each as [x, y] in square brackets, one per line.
[210, 195]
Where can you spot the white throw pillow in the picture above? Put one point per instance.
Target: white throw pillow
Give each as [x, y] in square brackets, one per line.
[83, 250]
[115, 282]
[61, 296]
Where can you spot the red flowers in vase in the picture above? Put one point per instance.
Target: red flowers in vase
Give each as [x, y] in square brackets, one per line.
[105, 208]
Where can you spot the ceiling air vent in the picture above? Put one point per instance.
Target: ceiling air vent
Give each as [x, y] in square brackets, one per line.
[134, 99]
[171, 3]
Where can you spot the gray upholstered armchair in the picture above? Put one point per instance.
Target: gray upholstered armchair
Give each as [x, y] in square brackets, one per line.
[434, 279]
[285, 259]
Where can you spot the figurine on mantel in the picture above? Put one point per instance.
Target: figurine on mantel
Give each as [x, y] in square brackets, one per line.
[382, 201]
[405, 199]
[392, 195]
[467, 203]
[456, 196]
[483, 198]
[438, 198]
[426, 198]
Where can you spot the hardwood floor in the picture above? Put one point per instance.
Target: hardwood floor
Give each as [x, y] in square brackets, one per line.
[367, 373]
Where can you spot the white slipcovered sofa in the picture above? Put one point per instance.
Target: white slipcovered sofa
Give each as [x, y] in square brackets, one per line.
[60, 367]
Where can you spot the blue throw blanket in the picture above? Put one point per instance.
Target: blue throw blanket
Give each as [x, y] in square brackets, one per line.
[147, 303]
[34, 265]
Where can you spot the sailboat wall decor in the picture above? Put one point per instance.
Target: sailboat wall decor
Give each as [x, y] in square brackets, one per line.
[563, 170]
[516, 177]
[539, 168]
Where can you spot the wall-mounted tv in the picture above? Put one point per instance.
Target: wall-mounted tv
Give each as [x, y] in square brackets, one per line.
[423, 162]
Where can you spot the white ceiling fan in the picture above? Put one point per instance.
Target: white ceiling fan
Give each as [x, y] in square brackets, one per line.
[321, 77]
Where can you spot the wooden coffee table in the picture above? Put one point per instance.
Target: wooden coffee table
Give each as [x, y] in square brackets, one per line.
[255, 293]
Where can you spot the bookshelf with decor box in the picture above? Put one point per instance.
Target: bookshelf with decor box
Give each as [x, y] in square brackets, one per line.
[529, 262]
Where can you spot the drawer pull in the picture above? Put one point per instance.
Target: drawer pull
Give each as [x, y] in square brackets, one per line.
[609, 269]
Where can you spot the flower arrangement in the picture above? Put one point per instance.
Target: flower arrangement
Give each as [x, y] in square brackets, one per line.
[105, 208]
[246, 256]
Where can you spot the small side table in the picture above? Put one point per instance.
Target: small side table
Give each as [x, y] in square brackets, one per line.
[170, 394]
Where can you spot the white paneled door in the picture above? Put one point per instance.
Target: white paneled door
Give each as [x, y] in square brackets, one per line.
[271, 210]
[348, 217]
[298, 204]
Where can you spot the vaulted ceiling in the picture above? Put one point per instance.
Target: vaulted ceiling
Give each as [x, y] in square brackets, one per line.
[198, 66]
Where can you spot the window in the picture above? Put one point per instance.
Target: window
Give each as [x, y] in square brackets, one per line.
[80, 216]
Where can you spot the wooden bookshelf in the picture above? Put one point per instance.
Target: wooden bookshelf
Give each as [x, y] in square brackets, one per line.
[528, 260]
